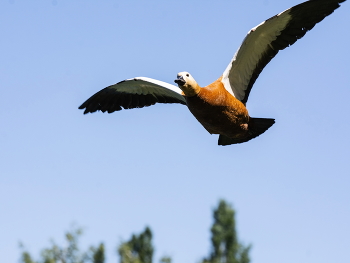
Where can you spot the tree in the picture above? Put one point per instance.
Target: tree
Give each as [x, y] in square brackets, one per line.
[99, 254]
[138, 250]
[69, 254]
[225, 245]
[165, 259]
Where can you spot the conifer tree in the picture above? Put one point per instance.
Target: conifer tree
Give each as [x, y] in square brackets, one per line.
[225, 245]
[138, 250]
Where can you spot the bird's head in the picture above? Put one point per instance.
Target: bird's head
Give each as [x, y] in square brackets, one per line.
[187, 84]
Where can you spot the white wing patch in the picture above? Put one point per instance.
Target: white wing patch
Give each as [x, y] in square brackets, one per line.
[238, 73]
[160, 83]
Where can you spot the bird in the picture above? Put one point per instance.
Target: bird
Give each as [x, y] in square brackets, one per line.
[220, 107]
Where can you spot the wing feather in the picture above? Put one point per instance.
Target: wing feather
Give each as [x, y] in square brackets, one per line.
[133, 93]
[264, 41]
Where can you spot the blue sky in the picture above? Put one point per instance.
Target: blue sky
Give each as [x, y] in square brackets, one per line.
[113, 174]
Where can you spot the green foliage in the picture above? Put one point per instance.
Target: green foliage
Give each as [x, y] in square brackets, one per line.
[138, 250]
[126, 254]
[165, 260]
[26, 258]
[69, 254]
[225, 246]
[99, 254]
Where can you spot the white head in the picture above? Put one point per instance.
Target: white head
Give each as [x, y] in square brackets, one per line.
[187, 84]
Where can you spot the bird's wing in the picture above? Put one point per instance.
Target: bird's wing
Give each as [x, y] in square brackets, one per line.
[265, 40]
[133, 93]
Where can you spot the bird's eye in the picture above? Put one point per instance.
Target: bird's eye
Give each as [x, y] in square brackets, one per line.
[187, 75]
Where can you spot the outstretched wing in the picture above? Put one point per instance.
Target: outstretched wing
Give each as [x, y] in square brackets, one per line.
[264, 41]
[133, 93]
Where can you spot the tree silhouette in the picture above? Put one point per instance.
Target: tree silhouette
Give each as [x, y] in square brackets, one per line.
[139, 249]
[68, 254]
[225, 245]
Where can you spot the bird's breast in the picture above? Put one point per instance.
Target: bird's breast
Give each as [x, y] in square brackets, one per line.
[218, 111]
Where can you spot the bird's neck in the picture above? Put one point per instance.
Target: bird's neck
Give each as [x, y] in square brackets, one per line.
[191, 90]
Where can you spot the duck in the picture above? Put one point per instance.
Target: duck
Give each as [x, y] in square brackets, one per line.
[220, 107]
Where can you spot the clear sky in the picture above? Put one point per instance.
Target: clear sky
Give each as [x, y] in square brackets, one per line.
[113, 174]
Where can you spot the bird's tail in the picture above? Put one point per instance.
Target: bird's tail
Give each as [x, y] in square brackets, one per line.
[256, 126]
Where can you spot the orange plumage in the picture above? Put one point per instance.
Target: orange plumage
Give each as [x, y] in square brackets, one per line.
[218, 111]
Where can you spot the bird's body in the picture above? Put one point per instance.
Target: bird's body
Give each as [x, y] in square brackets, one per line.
[218, 111]
[221, 106]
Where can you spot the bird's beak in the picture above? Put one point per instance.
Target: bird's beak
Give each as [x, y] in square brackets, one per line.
[180, 81]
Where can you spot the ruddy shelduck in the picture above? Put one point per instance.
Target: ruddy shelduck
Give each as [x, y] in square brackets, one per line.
[220, 106]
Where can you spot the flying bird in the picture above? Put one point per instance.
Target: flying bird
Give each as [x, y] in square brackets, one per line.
[221, 106]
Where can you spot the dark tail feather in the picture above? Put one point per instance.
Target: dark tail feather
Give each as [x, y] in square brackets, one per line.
[257, 126]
